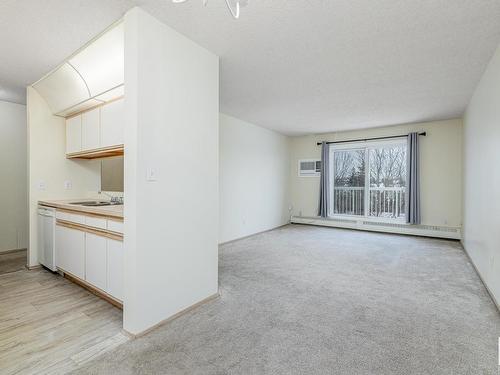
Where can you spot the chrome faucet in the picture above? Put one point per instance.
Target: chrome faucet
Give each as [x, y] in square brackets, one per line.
[114, 198]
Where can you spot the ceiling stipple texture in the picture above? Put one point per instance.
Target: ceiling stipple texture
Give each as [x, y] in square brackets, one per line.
[294, 66]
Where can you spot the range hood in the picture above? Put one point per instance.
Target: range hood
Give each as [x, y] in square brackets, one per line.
[92, 76]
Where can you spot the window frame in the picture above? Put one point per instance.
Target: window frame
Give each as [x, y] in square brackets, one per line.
[366, 146]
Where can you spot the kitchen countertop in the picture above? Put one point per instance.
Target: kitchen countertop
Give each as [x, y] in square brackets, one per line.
[110, 211]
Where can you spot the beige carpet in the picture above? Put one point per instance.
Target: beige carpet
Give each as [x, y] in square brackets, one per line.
[309, 300]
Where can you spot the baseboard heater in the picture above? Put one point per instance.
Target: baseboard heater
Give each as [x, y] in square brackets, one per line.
[378, 226]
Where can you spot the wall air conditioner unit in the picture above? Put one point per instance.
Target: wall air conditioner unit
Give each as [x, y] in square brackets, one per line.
[309, 168]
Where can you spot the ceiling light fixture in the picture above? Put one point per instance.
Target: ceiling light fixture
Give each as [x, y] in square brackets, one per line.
[234, 10]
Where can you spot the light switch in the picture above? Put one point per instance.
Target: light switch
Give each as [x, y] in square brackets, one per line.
[151, 174]
[41, 185]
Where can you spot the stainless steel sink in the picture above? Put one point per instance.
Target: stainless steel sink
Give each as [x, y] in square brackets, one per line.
[95, 203]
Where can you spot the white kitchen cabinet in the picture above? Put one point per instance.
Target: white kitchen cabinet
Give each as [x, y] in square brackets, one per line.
[115, 268]
[96, 260]
[94, 130]
[69, 216]
[74, 134]
[70, 250]
[112, 118]
[115, 226]
[90, 129]
[96, 222]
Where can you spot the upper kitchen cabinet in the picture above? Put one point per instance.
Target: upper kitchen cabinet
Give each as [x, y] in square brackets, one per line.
[97, 132]
[90, 129]
[87, 89]
[112, 118]
[92, 76]
[74, 135]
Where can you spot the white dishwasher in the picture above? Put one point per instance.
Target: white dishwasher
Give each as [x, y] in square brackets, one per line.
[46, 237]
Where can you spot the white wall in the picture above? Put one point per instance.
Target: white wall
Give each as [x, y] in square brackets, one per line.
[481, 234]
[48, 163]
[441, 169]
[253, 182]
[171, 224]
[13, 177]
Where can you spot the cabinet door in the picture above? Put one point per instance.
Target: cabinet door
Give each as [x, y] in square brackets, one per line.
[115, 269]
[112, 118]
[90, 129]
[95, 260]
[74, 134]
[70, 251]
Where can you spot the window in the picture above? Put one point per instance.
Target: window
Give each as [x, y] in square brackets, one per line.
[349, 182]
[368, 180]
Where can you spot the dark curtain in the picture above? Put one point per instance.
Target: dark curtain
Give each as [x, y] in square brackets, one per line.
[324, 195]
[413, 180]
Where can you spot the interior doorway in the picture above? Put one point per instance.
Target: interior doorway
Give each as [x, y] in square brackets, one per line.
[14, 187]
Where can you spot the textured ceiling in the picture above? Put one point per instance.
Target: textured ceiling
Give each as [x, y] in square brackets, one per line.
[295, 66]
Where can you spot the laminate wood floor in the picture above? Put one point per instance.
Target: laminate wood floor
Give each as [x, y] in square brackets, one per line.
[49, 325]
[12, 261]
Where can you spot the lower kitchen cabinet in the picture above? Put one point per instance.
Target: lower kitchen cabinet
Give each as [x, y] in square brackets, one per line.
[95, 260]
[70, 250]
[92, 257]
[115, 268]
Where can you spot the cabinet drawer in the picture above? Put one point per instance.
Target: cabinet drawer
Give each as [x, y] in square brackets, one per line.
[95, 222]
[67, 216]
[115, 226]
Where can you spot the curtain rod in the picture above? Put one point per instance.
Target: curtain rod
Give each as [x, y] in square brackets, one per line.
[371, 139]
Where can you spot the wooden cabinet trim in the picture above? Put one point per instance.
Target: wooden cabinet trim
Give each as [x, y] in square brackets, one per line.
[98, 153]
[91, 214]
[91, 288]
[84, 228]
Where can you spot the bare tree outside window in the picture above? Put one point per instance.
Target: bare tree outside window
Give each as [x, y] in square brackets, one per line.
[349, 190]
[387, 181]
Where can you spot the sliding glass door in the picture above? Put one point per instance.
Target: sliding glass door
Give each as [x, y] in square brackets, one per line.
[349, 168]
[369, 179]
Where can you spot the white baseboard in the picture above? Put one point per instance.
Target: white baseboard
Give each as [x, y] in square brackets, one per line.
[252, 234]
[173, 317]
[495, 301]
[386, 227]
[11, 251]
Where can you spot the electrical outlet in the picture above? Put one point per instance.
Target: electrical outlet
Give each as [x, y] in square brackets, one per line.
[68, 185]
[151, 174]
